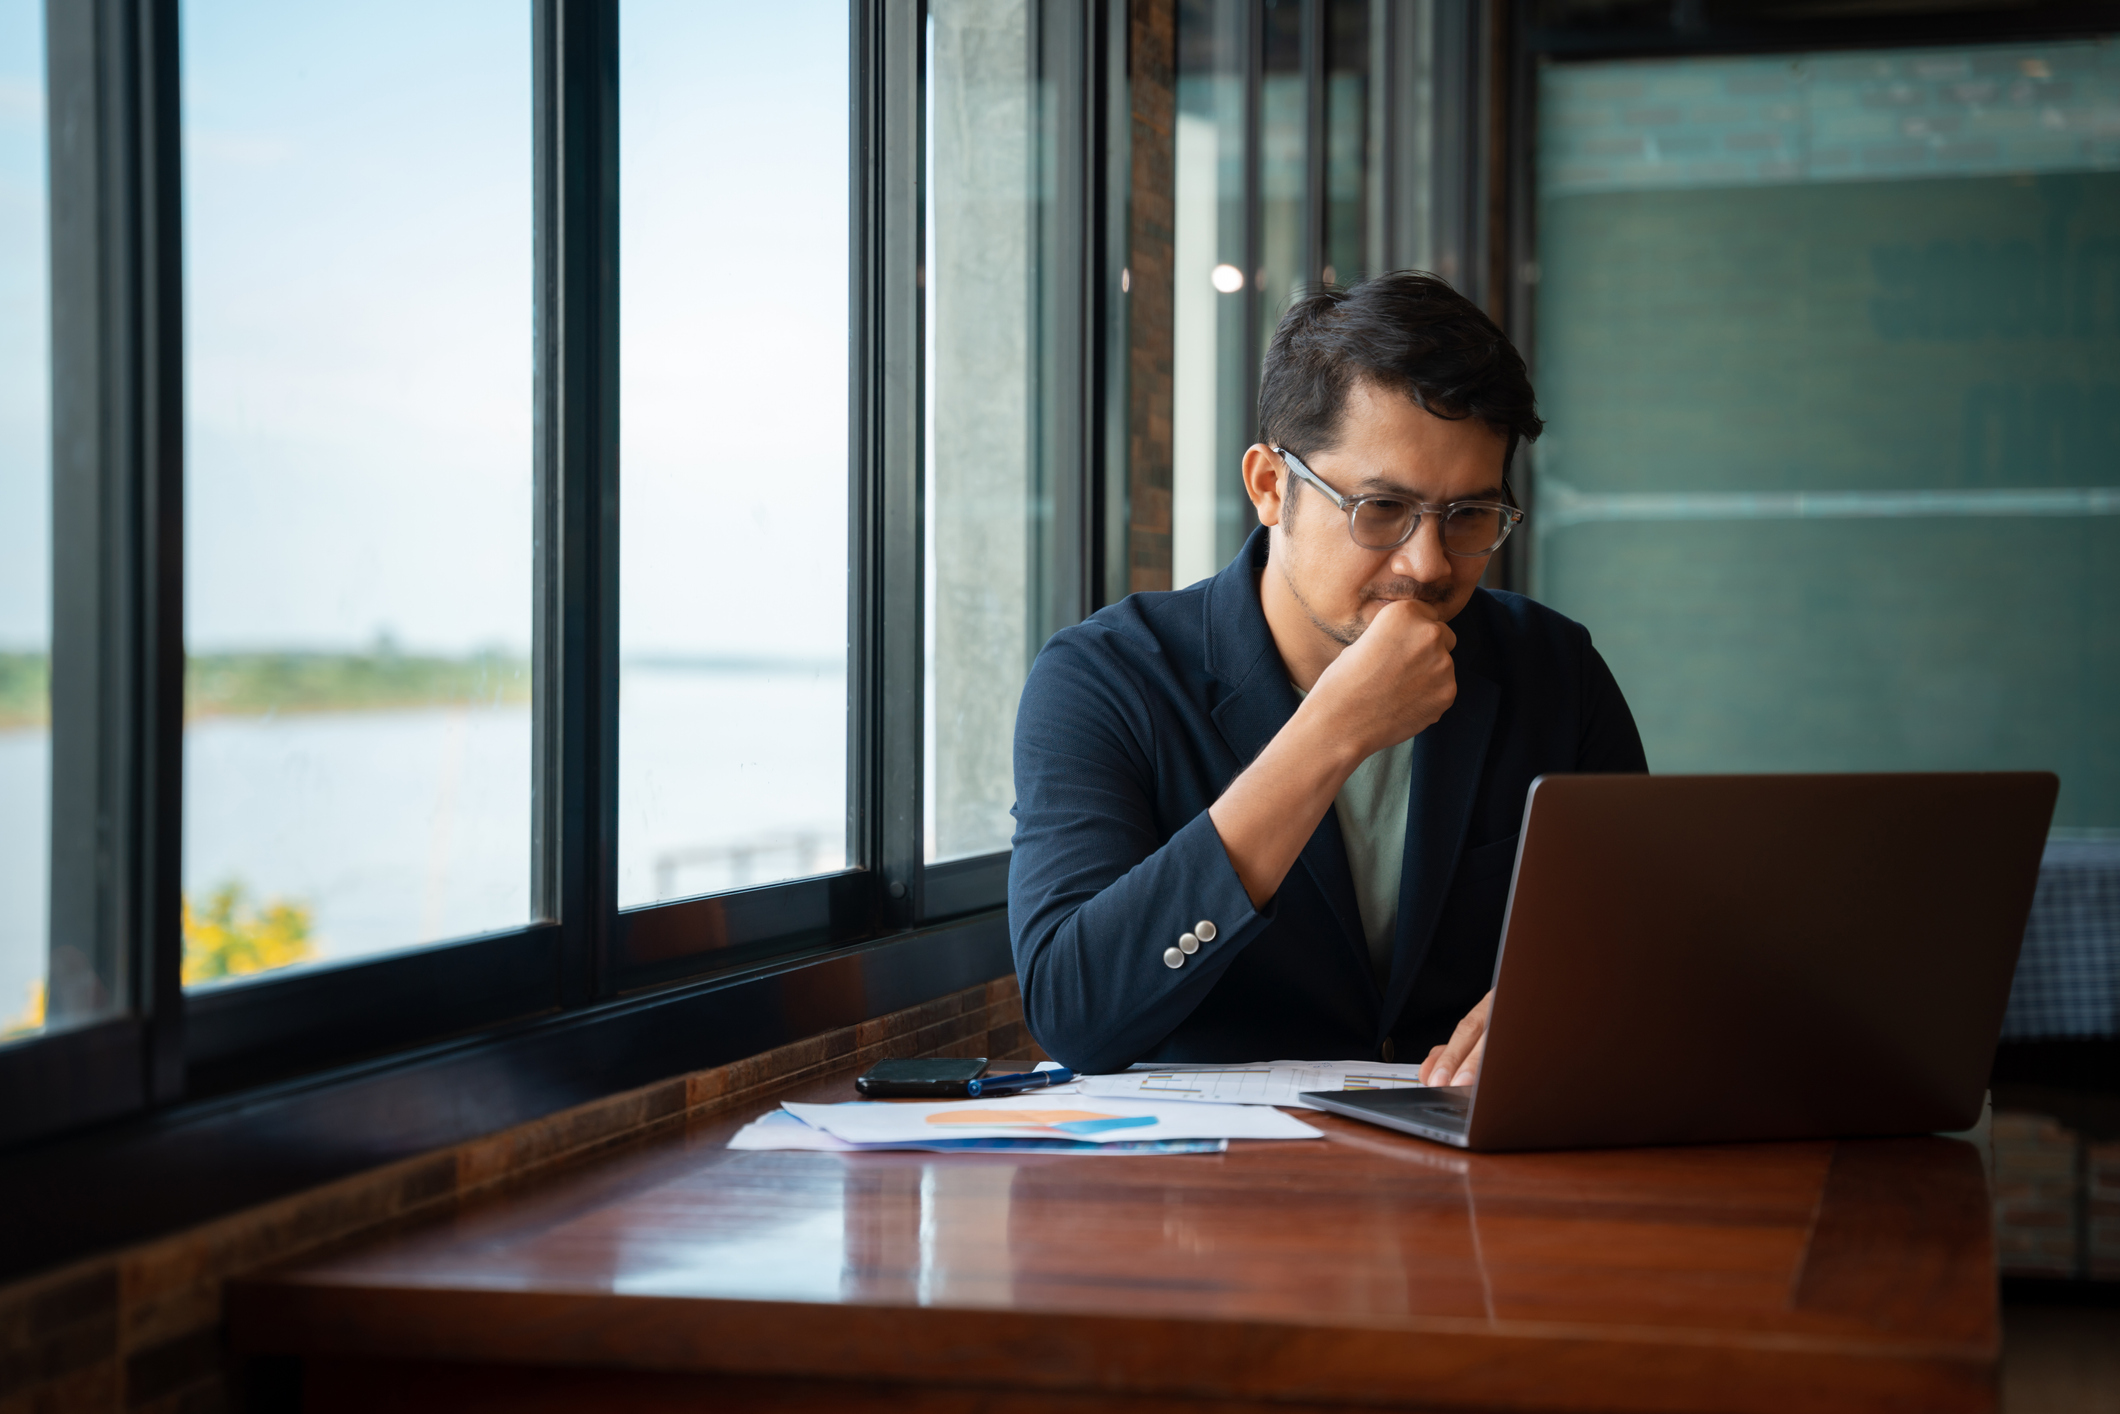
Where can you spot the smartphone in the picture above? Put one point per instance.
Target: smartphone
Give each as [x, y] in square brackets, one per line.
[943, 1078]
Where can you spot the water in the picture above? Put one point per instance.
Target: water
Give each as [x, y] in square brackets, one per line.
[712, 759]
[397, 828]
[406, 827]
[25, 849]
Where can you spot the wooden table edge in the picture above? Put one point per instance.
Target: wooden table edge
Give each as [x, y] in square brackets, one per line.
[1471, 1362]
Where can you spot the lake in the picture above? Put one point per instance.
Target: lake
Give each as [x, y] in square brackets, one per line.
[397, 828]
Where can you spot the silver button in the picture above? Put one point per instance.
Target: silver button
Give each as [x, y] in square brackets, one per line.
[1188, 944]
[1173, 958]
[1205, 930]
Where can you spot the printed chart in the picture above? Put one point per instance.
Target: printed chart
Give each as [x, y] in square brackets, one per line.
[1273, 1083]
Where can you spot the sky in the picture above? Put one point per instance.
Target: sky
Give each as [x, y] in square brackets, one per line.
[25, 397]
[733, 311]
[357, 277]
[358, 323]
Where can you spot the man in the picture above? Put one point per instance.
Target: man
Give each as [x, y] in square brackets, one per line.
[1273, 816]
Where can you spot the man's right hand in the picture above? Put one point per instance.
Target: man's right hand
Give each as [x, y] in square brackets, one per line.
[1389, 685]
[1393, 682]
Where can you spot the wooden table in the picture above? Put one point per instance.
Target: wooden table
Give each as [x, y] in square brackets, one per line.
[1365, 1269]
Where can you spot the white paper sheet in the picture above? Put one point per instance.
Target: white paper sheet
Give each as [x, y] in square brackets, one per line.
[1265, 1083]
[778, 1129]
[1044, 1116]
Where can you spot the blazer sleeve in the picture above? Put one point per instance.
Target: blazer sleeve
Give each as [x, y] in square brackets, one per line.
[1097, 891]
[1610, 741]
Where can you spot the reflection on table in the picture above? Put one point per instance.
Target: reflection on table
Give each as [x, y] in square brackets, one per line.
[1365, 1267]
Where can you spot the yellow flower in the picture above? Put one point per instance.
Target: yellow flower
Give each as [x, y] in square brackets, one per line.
[225, 938]
[228, 938]
[30, 1020]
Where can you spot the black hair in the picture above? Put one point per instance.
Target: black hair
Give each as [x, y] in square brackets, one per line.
[1408, 332]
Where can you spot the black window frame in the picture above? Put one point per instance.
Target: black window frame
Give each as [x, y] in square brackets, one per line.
[583, 966]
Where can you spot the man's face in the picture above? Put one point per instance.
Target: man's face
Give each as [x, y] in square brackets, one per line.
[1388, 447]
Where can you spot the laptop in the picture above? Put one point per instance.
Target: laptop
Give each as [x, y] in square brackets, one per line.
[1691, 959]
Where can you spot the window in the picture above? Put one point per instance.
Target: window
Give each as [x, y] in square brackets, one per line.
[1023, 446]
[1286, 260]
[1303, 154]
[1830, 348]
[358, 248]
[733, 709]
[25, 524]
[386, 704]
[1213, 358]
[981, 468]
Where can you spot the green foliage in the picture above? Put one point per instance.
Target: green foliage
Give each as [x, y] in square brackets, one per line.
[253, 684]
[225, 936]
[25, 690]
[257, 684]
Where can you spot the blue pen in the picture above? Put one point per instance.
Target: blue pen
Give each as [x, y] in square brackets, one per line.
[1017, 1084]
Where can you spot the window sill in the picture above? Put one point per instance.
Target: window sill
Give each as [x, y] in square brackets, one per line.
[215, 1157]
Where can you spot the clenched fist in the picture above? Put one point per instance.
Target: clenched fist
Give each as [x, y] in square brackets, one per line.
[1393, 682]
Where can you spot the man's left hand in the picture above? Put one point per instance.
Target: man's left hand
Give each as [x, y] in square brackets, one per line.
[1458, 1061]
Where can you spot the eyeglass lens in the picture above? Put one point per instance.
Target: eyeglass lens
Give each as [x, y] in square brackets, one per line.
[1467, 530]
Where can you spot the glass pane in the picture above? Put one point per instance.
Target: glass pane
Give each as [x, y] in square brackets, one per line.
[1830, 349]
[1284, 131]
[1349, 233]
[1403, 168]
[25, 521]
[733, 377]
[358, 264]
[980, 467]
[1213, 357]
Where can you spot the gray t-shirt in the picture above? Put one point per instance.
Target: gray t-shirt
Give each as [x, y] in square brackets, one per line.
[1372, 809]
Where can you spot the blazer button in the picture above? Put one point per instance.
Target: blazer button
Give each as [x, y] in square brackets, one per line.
[1204, 930]
[1188, 944]
[1387, 1051]
[1173, 958]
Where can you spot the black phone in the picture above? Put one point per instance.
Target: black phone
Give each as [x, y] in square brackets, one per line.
[940, 1078]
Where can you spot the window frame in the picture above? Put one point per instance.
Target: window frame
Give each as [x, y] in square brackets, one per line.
[117, 553]
[168, 1056]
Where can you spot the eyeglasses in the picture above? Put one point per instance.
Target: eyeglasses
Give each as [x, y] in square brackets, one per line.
[1470, 528]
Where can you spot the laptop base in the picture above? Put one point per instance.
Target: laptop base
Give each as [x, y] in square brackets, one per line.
[1440, 1113]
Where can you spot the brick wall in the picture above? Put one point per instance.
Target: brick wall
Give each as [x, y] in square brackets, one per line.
[140, 1329]
[2036, 1195]
[2057, 1199]
[2102, 1209]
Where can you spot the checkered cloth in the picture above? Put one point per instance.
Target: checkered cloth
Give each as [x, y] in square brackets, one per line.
[2068, 976]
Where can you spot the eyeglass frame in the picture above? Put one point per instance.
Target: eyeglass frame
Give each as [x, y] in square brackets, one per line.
[1512, 516]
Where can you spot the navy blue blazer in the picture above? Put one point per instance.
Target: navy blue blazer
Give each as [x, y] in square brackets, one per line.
[1134, 721]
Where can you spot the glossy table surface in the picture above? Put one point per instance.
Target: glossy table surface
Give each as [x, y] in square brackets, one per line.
[1365, 1267]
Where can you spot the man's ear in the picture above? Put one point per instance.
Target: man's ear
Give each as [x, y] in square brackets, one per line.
[1266, 482]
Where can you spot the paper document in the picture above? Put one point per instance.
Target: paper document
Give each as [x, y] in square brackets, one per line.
[1266, 1083]
[1038, 1116]
[781, 1130]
